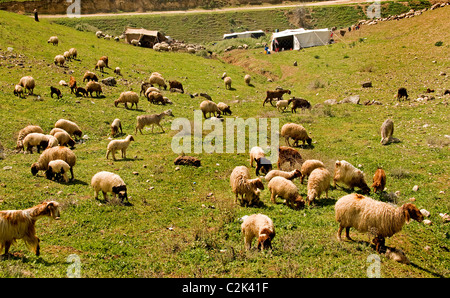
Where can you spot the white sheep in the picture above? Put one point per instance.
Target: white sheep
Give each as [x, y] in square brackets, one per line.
[247, 79]
[262, 163]
[346, 173]
[296, 132]
[227, 81]
[258, 226]
[117, 71]
[52, 141]
[255, 153]
[128, 97]
[108, 182]
[122, 145]
[377, 218]
[210, 107]
[282, 105]
[144, 120]
[387, 130]
[115, 126]
[100, 65]
[288, 175]
[157, 79]
[55, 130]
[25, 131]
[308, 166]
[18, 91]
[64, 139]
[58, 169]
[67, 55]
[69, 126]
[54, 153]
[318, 182]
[135, 42]
[34, 139]
[28, 83]
[93, 86]
[59, 59]
[73, 53]
[53, 40]
[241, 184]
[224, 108]
[286, 189]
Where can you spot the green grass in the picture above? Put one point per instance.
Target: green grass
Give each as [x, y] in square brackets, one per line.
[204, 239]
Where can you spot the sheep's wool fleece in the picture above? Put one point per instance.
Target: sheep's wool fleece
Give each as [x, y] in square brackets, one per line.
[106, 180]
[255, 223]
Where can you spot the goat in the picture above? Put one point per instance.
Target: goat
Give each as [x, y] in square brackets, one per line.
[275, 94]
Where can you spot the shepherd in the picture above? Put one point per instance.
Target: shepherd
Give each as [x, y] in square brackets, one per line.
[36, 17]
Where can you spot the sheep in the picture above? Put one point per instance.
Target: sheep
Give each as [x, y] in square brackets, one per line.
[115, 126]
[275, 94]
[155, 97]
[349, 175]
[288, 175]
[106, 60]
[247, 79]
[81, 92]
[282, 105]
[224, 108]
[128, 97]
[67, 55]
[25, 131]
[55, 130]
[227, 81]
[20, 224]
[53, 40]
[73, 53]
[28, 83]
[56, 91]
[52, 141]
[145, 86]
[117, 71]
[59, 59]
[108, 182]
[18, 91]
[401, 92]
[318, 182]
[158, 80]
[39, 140]
[122, 145]
[210, 107]
[379, 180]
[289, 159]
[64, 139]
[387, 130]
[258, 226]
[63, 83]
[151, 89]
[286, 189]
[144, 120]
[92, 87]
[58, 169]
[135, 42]
[90, 76]
[295, 131]
[187, 160]
[100, 65]
[72, 84]
[308, 166]
[262, 163]
[299, 103]
[248, 189]
[69, 126]
[54, 153]
[370, 216]
[176, 85]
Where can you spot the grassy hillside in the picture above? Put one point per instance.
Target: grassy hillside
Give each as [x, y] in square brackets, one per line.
[175, 227]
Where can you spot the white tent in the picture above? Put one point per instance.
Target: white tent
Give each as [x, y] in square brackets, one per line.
[246, 34]
[299, 38]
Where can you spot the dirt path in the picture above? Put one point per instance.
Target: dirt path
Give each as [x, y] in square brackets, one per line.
[321, 3]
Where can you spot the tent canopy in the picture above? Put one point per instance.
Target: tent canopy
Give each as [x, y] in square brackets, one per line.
[299, 38]
[246, 34]
[147, 38]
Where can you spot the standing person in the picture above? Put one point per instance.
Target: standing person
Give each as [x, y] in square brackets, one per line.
[36, 17]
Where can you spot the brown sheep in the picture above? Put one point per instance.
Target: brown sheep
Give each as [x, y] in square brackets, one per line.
[379, 180]
[275, 94]
[289, 159]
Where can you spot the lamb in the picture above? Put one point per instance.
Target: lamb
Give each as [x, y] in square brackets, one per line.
[81, 92]
[282, 105]
[69, 126]
[117, 71]
[100, 65]
[262, 163]
[59, 59]
[115, 126]
[227, 81]
[108, 182]
[53, 40]
[72, 85]
[176, 85]
[308, 166]
[67, 55]
[18, 91]
[289, 159]
[56, 91]
[224, 108]
[288, 175]
[158, 80]
[25, 131]
[106, 60]
[122, 145]
[275, 94]
[135, 42]
[210, 107]
[295, 131]
[54, 153]
[318, 182]
[92, 87]
[28, 83]
[247, 79]
[73, 53]
[155, 97]
[401, 92]
[349, 175]
[20, 224]
[128, 97]
[64, 139]
[387, 130]
[379, 180]
[370, 216]
[39, 140]
[258, 226]
[90, 76]
[299, 103]
[286, 189]
[58, 169]
[248, 189]
[152, 119]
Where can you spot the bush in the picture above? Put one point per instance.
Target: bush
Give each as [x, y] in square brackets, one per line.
[439, 43]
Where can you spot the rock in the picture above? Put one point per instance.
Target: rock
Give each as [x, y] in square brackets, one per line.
[425, 212]
[6, 168]
[397, 255]
[330, 102]
[445, 217]
[351, 99]
[110, 81]
[427, 222]
[415, 188]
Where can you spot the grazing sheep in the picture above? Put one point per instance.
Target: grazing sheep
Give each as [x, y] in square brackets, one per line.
[262, 163]
[401, 92]
[20, 224]
[90, 76]
[122, 145]
[151, 89]
[100, 65]
[18, 91]
[56, 91]
[318, 182]
[63, 83]
[64, 139]
[282, 105]
[176, 85]
[73, 53]
[158, 80]
[81, 92]
[374, 217]
[115, 126]
[69, 126]
[308, 166]
[25, 131]
[297, 132]
[52, 141]
[387, 130]
[288, 175]
[286, 189]
[128, 97]
[144, 120]
[28, 83]
[210, 107]
[289, 159]
[349, 175]
[258, 226]
[59, 59]
[247, 79]
[108, 182]
[248, 189]
[145, 86]
[72, 85]
[55, 130]
[92, 86]
[275, 94]
[299, 103]
[117, 71]
[58, 169]
[224, 108]
[227, 81]
[187, 161]
[54, 153]
[67, 55]
[53, 40]
[155, 97]
[106, 60]
[379, 180]
[39, 140]
[135, 42]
